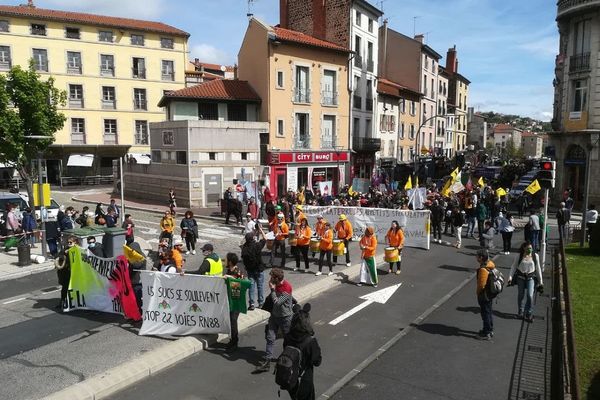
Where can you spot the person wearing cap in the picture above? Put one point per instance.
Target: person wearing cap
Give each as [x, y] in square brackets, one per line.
[212, 264]
[176, 255]
[368, 268]
[485, 303]
[250, 226]
[319, 228]
[343, 229]
[189, 230]
[95, 248]
[303, 235]
[326, 246]
[281, 231]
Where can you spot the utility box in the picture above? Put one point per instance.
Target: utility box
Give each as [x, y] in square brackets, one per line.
[114, 239]
[82, 234]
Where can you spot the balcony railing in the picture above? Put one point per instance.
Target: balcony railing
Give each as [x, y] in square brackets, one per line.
[77, 138]
[369, 104]
[139, 73]
[107, 71]
[579, 62]
[109, 104]
[568, 6]
[168, 76]
[110, 138]
[370, 65]
[75, 103]
[329, 98]
[74, 69]
[5, 65]
[302, 142]
[358, 61]
[357, 102]
[301, 95]
[140, 105]
[366, 144]
[327, 142]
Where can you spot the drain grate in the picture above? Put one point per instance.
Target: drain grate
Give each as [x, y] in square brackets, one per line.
[537, 349]
[531, 396]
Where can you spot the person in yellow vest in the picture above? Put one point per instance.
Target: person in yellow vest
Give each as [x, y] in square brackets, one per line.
[303, 235]
[344, 232]
[319, 227]
[212, 264]
[281, 231]
[395, 238]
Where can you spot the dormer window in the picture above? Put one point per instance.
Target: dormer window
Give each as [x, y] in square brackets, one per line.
[38, 29]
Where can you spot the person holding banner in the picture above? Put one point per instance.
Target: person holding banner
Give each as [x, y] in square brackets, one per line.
[344, 232]
[212, 264]
[325, 247]
[281, 231]
[236, 290]
[63, 272]
[368, 269]
[395, 238]
[303, 235]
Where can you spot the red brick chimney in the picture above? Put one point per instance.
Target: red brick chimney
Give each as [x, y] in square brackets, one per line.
[319, 21]
[451, 61]
[283, 13]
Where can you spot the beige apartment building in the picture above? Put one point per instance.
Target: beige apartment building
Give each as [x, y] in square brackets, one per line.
[303, 84]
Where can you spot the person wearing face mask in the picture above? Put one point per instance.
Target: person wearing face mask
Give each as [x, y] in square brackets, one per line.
[95, 248]
[67, 222]
[63, 272]
[527, 273]
[212, 264]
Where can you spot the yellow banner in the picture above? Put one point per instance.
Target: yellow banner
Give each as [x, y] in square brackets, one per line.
[480, 182]
[533, 187]
[500, 192]
[408, 184]
[36, 194]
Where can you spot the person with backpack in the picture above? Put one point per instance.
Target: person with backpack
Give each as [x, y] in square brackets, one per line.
[527, 273]
[484, 297]
[301, 353]
[458, 220]
[252, 258]
[563, 218]
[279, 303]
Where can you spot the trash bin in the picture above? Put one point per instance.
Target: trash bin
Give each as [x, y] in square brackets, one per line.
[82, 234]
[113, 241]
[24, 252]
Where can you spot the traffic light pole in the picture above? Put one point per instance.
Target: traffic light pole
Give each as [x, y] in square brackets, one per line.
[543, 245]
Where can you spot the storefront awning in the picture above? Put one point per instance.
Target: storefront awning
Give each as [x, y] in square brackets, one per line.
[80, 160]
[140, 158]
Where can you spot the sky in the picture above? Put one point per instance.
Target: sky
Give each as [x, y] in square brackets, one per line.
[506, 48]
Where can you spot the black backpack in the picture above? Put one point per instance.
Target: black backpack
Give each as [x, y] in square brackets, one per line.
[288, 369]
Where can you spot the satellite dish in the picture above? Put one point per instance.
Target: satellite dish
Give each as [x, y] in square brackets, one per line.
[223, 68]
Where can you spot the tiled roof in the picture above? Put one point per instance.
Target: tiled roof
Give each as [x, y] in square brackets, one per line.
[218, 89]
[287, 35]
[214, 67]
[89, 19]
[393, 89]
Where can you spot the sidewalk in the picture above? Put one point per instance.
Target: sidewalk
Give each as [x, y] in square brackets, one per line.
[441, 358]
[10, 269]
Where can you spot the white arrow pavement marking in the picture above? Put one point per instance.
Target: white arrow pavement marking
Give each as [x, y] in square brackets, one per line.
[380, 296]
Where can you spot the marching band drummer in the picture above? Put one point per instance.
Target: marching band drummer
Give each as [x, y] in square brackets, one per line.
[395, 238]
[319, 228]
[344, 233]
[303, 235]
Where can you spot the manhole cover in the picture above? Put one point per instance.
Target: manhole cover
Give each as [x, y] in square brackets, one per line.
[531, 396]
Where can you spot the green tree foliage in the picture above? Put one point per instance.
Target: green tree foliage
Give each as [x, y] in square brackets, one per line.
[28, 107]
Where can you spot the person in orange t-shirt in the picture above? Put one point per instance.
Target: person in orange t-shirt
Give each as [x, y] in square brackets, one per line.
[303, 234]
[368, 269]
[326, 246]
[281, 231]
[344, 232]
[395, 238]
[319, 227]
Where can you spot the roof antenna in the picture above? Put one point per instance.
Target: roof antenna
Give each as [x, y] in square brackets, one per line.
[250, 14]
[415, 24]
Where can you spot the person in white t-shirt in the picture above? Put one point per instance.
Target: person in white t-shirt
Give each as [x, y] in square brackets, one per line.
[591, 217]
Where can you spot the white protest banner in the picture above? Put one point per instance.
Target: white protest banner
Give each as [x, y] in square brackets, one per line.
[184, 305]
[415, 224]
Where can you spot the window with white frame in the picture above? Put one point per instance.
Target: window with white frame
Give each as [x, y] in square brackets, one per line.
[139, 68]
[110, 131]
[402, 106]
[167, 42]
[109, 100]
[358, 18]
[279, 81]
[141, 132]
[40, 60]
[280, 127]
[413, 108]
[328, 132]
[73, 62]
[137, 39]
[412, 132]
[370, 25]
[5, 58]
[401, 130]
[77, 131]
[579, 95]
[107, 65]
[140, 102]
[329, 90]
[105, 36]
[167, 70]
[302, 131]
[302, 88]
[76, 96]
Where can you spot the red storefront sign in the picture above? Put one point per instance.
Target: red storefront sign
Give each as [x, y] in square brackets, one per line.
[307, 157]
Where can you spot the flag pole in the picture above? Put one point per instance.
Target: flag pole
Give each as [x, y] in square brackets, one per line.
[543, 246]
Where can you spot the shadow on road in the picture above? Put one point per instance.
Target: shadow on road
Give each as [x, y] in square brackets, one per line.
[475, 310]
[445, 330]
[456, 268]
[249, 354]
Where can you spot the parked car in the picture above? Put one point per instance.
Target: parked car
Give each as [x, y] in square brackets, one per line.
[22, 202]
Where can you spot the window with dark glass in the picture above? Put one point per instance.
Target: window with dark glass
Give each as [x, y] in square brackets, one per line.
[167, 70]
[40, 60]
[105, 36]
[181, 157]
[5, 60]
[72, 33]
[166, 43]
[137, 40]
[140, 101]
[141, 132]
[139, 68]
[4, 26]
[108, 98]
[208, 111]
[73, 62]
[107, 65]
[236, 112]
[76, 96]
[77, 131]
[38, 29]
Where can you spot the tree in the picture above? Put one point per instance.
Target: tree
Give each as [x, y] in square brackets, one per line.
[510, 151]
[28, 107]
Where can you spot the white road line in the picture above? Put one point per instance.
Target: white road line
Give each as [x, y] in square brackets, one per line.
[52, 291]
[351, 312]
[15, 300]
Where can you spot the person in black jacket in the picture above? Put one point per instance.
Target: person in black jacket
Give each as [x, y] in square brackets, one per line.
[437, 216]
[95, 248]
[253, 263]
[63, 272]
[301, 335]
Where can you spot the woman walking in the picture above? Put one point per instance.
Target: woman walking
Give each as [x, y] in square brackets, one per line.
[395, 238]
[189, 230]
[528, 274]
[325, 247]
[303, 235]
[368, 269]
[506, 229]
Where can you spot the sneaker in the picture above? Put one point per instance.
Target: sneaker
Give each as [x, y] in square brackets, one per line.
[330, 273]
[295, 269]
[194, 252]
[318, 273]
[484, 336]
[398, 272]
[251, 307]
[265, 366]
[481, 332]
[375, 285]
[359, 284]
[348, 264]
[389, 271]
[187, 252]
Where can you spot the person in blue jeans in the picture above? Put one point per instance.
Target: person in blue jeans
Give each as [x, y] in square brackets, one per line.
[485, 303]
[527, 272]
[252, 259]
[534, 229]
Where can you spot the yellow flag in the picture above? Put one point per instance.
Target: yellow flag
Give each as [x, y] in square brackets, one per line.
[454, 173]
[533, 187]
[131, 255]
[480, 181]
[446, 189]
[408, 184]
[500, 192]
[351, 191]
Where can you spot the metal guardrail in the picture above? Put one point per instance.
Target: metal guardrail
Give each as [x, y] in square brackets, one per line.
[565, 376]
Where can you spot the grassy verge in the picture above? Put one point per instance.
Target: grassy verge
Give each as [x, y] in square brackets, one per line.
[584, 282]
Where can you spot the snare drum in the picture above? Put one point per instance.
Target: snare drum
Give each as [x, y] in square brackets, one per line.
[315, 245]
[292, 241]
[391, 255]
[338, 248]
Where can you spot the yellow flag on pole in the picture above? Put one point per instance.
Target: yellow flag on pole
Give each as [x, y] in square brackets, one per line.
[446, 189]
[480, 182]
[132, 255]
[408, 184]
[351, 191]
[454, 173]
[533, 187]
[500, 192]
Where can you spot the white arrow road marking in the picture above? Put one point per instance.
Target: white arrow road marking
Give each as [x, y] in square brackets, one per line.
[380, 296]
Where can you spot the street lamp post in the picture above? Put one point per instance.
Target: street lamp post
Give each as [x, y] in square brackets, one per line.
[338, 150]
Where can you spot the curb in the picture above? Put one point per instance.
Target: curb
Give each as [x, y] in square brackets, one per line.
[47, 266]
[151, 363]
